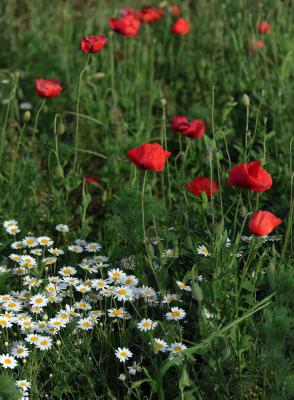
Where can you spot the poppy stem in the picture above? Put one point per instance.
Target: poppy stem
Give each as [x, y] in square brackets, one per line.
[37, 118]
[78, 109]
[12, 171]
[4, 130]
[142, 205]
[246, 132]
[135, 176]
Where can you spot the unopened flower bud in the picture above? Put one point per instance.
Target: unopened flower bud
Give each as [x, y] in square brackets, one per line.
[59, 172]
[61, 129]
[246, 100]
[27, 116]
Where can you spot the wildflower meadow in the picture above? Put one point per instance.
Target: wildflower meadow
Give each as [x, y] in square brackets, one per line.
[146, 208]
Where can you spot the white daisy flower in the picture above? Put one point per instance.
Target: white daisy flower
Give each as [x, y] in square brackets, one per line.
[85, 324]
[175, 314]
[8, 361]
[134, 368]
[20, 351]
[23, 384]
[146, 325]
[160, 345]
[29, 241]
[203, 251]
[12, 230]
[123, 293]
[123, 354]
[16, 245]
[128, 262]
[116, 312]
[39, 300]
[67, 271]
[116, 275]
[169, 298]
[62, 228]
[80, 242]
[10, 222]
[5, 322]
[49, 260]
[37, 252]
[93, 247]
[12, 305]
[130, 280]
[183, 286]
[56, 252]
[75, 248]
[27, 261]
[44, 343]
[177, 347]
[99, 284]
[45, 241]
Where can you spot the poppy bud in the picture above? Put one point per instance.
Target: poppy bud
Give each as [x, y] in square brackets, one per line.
[163, 102]
[197, 292]
[59, 172]
[27, 116]
[246, 100]
[150, 250]
[61, 129]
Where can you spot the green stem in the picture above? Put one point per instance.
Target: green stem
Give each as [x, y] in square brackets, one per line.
[12, 171]
[4, 130]
[78, 109]
[37, 118]
[142, 205]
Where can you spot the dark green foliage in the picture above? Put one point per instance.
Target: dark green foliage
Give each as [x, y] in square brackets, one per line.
[8, 389]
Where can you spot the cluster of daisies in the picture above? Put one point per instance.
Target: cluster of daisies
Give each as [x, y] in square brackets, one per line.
[62, 283]
[66, 283]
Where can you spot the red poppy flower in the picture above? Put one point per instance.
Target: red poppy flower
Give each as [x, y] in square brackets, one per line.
[126, 26]
[255, 45]
[92, 179]
[149, 156]
[175, 10]
[181, 27]
[48, 88]
[93, 43]
[263, 222]
[198, 185]
[148, 15]
[250, 176]
[264, 27]
[194, 129]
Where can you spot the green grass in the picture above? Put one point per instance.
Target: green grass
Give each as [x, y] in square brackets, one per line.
[239, 319]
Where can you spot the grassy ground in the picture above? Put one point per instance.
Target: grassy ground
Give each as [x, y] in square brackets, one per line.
[239, 316]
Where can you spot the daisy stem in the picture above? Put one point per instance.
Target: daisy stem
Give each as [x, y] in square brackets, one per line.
[78, 110]
[37, 118]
